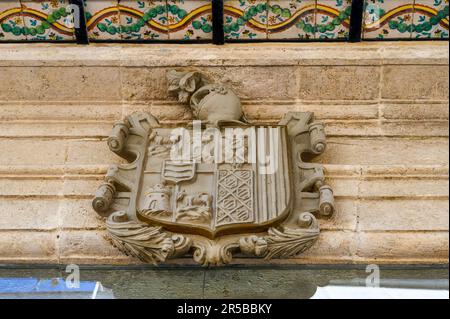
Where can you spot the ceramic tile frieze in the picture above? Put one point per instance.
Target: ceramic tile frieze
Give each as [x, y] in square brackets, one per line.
[158, 20]
[103, 19]
[431, 19]
[11, 21]
[291, 19]
[405, 19]
[287, 19]
[143, 20]
[333, 19]
[245, 19]
[42, 20]
[191, 20]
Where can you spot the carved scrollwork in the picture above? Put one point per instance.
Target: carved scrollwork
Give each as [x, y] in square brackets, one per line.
[149, 244]
[162, 208]
[211, 252]
[283, 243]
[104, 196]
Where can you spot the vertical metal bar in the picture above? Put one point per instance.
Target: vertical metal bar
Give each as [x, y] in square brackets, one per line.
[356, 19]
[217, 23]
[80, 30]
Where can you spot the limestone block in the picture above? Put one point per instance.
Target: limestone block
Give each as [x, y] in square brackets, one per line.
[273, 110]
[330, 247]
[385, 128]
[26, 246]
[404, 246]
[343, 187]
[90, 151]
[46, 129]
[86, 244]
[415, 111]
[415, 82]
[339, 82]
[23, 214]
[403, 214]
[78, 214]
[144, 84]
[60, 84]
[391, 151]
[81, 188]
[344, 218]
[43, 152]
[56, 110]
[258, 82]
[170, 111]
[47, 214]
[404, 187]
[16, 188]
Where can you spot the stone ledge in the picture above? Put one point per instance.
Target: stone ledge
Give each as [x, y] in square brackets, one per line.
[334, 128]
[88, 247]
[170, 112]
[256, 54]
[95, 171]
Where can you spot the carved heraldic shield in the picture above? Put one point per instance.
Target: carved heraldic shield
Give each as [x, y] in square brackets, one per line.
[216, 187]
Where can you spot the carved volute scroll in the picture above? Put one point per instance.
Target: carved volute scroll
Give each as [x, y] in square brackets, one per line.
[261, 201]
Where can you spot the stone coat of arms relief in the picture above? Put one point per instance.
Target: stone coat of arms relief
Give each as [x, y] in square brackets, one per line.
[216, 188]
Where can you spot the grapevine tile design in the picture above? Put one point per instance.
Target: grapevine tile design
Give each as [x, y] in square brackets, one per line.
[189, 20]
[287, 19]
[11, 21]
[103, 19]
[291, 19]
[333, 19]
[245, 19]
[431, 19]
[143, 20]
[47, 20]
[58, 24]
[388, 19]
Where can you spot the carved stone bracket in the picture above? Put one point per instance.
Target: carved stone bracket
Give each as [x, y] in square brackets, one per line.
[158, 209]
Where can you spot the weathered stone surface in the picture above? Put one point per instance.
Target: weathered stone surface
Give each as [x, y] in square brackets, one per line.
[332, 246]
[60, 84]
[404, 187]
[60, 110]
[415, 82]
[77, 214]
[48, 129]
[28, 246]
[392, 151]
[385, 106]
[339, 82]
[47, 214]
[28, 214]
[345, 217]
[14, 187]
[144, 84]
[258, 82]
[89, 244]
[409, 247]
[274, 110]
[415, 111]
[53, 187]
[403, 214]
[90, 151]
[44, 152]
[386, 128]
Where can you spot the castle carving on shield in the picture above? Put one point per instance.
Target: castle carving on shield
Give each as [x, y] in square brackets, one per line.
[217, 187]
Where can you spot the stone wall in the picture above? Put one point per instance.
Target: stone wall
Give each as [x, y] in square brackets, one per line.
[385, 106]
